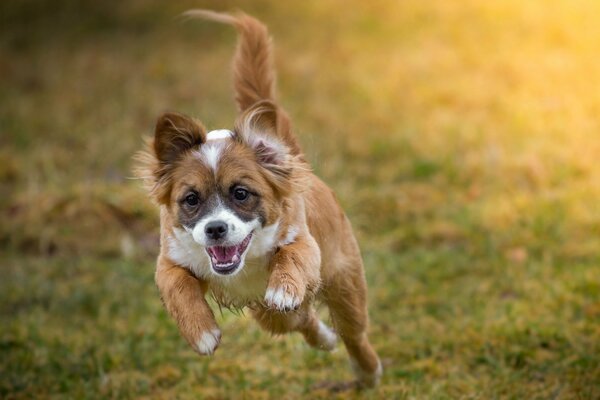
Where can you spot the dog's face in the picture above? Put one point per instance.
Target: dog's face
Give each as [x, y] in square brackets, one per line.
[222, 197]
[222, 188]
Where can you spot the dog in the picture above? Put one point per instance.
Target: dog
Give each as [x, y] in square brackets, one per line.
[244, 219]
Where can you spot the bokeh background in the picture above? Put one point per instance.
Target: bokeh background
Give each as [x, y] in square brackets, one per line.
[461, 137]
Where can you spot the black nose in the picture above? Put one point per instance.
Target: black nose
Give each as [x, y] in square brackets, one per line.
[216, 230]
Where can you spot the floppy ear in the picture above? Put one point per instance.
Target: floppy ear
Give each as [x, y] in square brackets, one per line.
[174, 134]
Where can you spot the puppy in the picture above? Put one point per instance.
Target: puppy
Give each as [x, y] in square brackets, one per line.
[244, 219]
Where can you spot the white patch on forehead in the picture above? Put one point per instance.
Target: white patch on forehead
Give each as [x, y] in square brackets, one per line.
[210, 152]
[218, 134]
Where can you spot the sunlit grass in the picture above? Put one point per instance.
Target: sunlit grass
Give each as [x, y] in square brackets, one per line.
[462, 139]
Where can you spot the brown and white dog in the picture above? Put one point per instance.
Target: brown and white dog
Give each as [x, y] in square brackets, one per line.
[244, 219]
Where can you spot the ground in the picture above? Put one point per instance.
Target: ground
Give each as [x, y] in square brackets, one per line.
[462, 140]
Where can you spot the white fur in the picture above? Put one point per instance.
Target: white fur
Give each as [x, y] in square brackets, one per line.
[263, 241]
[184, 251]
[365, 378]
[277, 148]
[281, 300]
[290, 237]
[238, 230]
[251, 281]
[218, 134]
[248, 283]
[254, 137]
[210, 153]
[327, 337]
[208, 341]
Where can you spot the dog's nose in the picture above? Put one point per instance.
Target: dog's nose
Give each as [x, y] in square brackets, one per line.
[216, 230]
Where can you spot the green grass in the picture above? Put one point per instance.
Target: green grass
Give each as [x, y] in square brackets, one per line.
[462, 139]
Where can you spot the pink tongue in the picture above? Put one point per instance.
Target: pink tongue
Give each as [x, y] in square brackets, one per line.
[224, 254]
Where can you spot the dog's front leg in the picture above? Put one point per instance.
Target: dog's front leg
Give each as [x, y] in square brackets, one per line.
[295, 274]
[183, 296]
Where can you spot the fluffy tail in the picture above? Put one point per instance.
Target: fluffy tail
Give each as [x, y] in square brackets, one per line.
[253, 72]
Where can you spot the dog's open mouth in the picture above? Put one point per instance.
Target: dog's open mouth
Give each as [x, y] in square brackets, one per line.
[226, 259]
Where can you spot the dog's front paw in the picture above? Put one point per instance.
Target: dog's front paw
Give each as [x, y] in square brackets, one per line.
[283, 298]
[208, 341]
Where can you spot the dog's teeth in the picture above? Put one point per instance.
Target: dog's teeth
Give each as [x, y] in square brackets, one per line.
[235, 258]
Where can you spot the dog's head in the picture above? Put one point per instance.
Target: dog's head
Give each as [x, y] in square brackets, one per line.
[222, 188]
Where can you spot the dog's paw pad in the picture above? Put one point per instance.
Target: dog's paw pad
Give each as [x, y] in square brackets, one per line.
[208, 342]
[282, 300]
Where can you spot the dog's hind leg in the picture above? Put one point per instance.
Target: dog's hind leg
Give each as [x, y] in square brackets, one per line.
[303, 320]
[346, 297]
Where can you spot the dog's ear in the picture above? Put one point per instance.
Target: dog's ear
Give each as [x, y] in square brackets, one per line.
[257, 128]
[260, 128]
[174, 134]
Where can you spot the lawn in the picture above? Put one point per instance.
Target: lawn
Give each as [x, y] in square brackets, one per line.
[462, 139]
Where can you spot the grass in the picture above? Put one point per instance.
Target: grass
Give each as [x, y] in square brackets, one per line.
[461, 139]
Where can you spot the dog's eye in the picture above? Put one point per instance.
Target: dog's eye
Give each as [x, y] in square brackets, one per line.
[192, 199]
[240, 194]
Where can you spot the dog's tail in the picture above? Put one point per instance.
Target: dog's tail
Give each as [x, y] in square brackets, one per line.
[253, 71]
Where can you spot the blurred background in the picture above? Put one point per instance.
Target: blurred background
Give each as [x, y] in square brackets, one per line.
[462, 139]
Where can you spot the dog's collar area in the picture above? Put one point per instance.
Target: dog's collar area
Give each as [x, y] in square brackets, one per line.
[219, 134]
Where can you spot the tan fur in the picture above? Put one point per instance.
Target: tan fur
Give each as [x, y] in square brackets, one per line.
[253, 73]
[322, 261]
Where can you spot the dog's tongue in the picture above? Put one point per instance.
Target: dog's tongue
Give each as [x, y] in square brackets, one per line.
[226, 256]
[223, 254]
